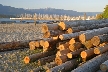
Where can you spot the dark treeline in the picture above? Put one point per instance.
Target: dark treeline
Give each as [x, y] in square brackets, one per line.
[6, 16]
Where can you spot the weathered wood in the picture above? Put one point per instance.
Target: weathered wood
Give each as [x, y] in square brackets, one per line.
[47, 27]
[63, 46]
[63, 52]
[75, 53]
[45, 60]
[61, 59]
[87, 53]
[65, 67]
[14, 45]
[89, 35]
[69, 36]
[36, 56]
[88, 44]
[100, 50]
[75, 46]
[104, 66]
[96, 40]
[93, 64]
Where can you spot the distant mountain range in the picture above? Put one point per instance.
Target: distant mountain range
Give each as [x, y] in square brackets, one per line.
[8, 10]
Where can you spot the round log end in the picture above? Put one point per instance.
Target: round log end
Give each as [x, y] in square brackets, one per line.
[95, 40]
[47, 34]
[37, 44]
[96, 51]
[83, 54]
[103, 67]
[58, 60]
[32, 45]
[72, 47]
[26, 59]
[72, 41]
[69, 55]
[61, 47]
[61, 26]
[46, 44]
[41, 42]
[69, 31]
[61, 37]
[82, 38]
[44, 28]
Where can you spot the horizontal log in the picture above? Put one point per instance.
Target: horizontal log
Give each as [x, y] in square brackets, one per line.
[39, 69]
[96, 40]
[37, 56]
[100, 50]
[45, 60]
[75, 53]
[92, 65]
[90, 34]
[104, 66]
[65, 67]
[75, 46]
[47, 27]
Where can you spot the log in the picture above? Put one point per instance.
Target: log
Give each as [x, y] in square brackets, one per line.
[96, 40]
[75, 46]
[47, 27]
[62, 52]
[72, 41]
[104, 66]
[68, 31]
[45, 60]
[87, 53]
[41, 42]
[88, 44]
[50, 65]
[65, 67]
[39, 69]
[75, 53]
[36, 56]
[60, 43]
[32, 45]
[63, 46]
[93, 64]
[100, 45]
[61, 59]
[14, 45]
[89, 35]
[100, 50]
[69, 36]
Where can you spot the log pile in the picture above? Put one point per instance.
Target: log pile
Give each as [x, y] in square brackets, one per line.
[67, 44]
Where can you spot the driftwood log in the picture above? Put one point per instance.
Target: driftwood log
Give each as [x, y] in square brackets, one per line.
[93, 64]
[45, 60]
[104, 66]
[47, 27]
[36, 56]
[96, 40]
[65, 67]
[90, 34]
[75, 53]
[100, 50]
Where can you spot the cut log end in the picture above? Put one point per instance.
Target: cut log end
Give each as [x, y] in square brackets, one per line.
[72, 47]
[69, 55]
[82, 38]
[62, 26]
[95, 40]
[41, 42]
[61, 37]
[72, 41]
[83, 54]
[47, 34]
[37, 44]
[46, 44]
[44, 28]
[26, 59]
[96, 51]
[103, 67]
[69, 31]
[32, 45]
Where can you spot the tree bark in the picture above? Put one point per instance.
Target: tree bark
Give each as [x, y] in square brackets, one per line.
[96, 40]
[65, 67]
[75, 53]
[36, 56]
[93, 64]
[100, 50]
[47, 27]
[45, 60]
[75, 46]
[89, 35]
[104, 66]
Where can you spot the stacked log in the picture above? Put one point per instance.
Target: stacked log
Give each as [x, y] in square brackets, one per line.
[96, 40]
[93, 64]
[39, 69]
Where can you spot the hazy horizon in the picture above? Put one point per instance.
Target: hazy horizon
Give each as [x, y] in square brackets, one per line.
[76, 5]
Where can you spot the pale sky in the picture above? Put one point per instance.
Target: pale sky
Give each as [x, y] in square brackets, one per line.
[76, 5]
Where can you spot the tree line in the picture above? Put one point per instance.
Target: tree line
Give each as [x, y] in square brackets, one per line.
[6, 16]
